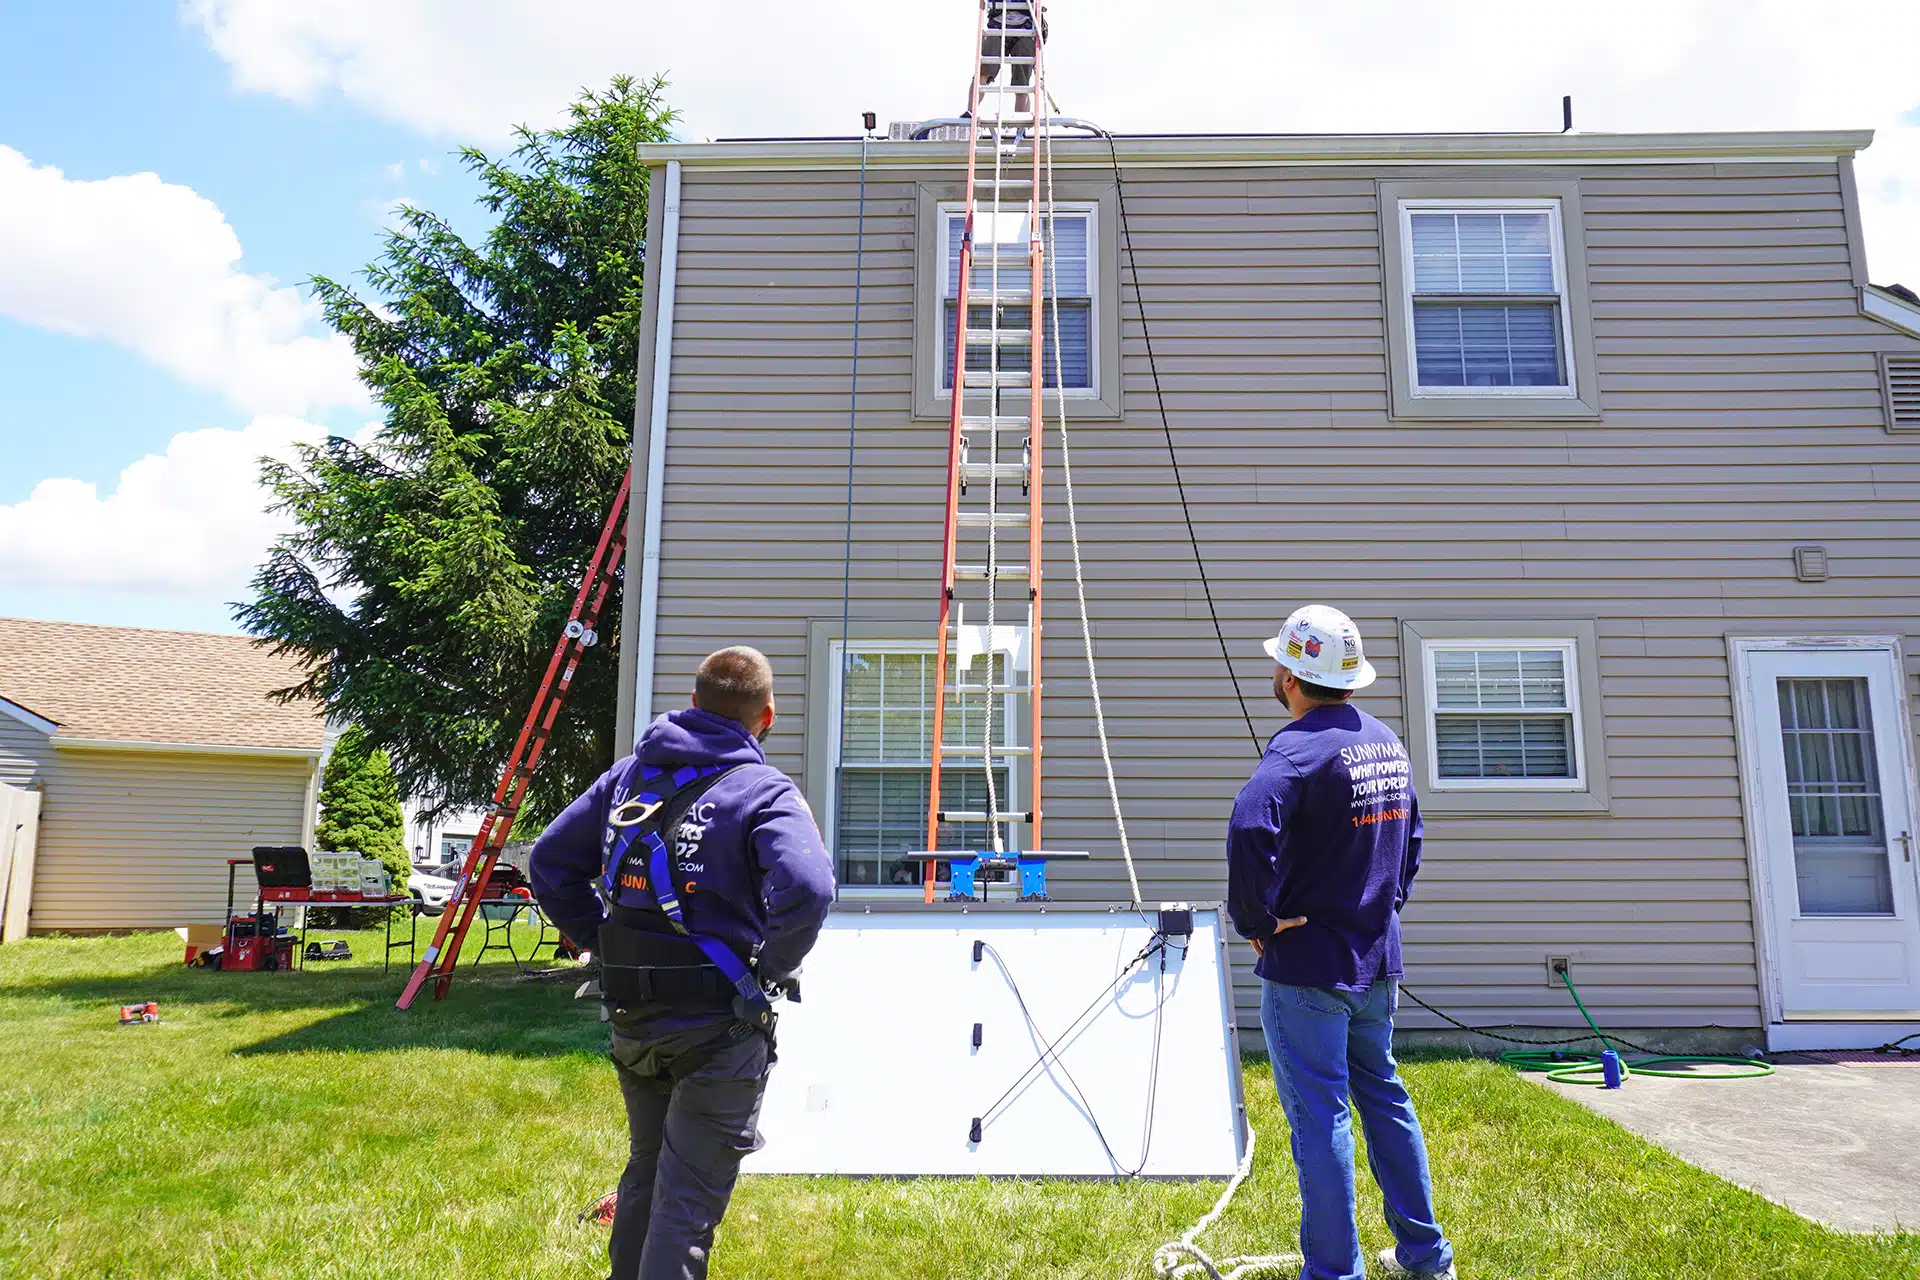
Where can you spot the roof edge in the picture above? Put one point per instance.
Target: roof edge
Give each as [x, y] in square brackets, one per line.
[28, 716]
[1297, 149]
[1889, 308]
[187, 748]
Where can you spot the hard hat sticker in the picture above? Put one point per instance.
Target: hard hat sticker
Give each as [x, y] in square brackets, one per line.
[1313, 646]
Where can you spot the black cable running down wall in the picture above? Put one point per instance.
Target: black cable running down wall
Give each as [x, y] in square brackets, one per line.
[1173, 455]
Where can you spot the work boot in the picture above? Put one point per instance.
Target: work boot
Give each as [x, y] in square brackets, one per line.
[1391, 1268]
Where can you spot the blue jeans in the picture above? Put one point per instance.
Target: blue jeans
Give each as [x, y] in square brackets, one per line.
[1328, 1045]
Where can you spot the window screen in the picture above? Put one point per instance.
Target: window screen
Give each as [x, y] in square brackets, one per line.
[1504, 712]
[1072, 273]
[887, 764]
[1487, 306]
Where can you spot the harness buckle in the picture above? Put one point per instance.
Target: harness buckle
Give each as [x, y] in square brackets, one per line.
[620, 818]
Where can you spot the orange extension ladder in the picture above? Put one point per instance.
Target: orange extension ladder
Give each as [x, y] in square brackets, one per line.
[994, 487]
[579, 636]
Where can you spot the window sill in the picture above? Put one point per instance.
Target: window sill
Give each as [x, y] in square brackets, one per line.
[1490, 800]
[1430, 406]
[1080, 408]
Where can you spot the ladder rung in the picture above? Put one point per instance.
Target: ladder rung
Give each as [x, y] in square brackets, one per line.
[978, 572]
[989, 688]
[1005, 422]
[970, 750]
[979, 815]
[989, 337]
[997, 519]
[1006, 61]
[1002, 379]
[993, 471]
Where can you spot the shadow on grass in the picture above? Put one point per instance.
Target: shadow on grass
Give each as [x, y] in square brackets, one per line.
[490, 1009]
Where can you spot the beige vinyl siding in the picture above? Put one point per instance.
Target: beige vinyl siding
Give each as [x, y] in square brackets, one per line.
[140, 839]
[24, 752]
[1741, 416]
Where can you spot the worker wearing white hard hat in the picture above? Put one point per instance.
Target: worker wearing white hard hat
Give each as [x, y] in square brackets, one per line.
[1321, 853]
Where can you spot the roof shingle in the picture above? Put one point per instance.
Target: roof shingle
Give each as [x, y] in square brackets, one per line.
[130, 684]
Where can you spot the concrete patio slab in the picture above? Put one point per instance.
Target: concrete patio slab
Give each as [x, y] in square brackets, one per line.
[1838, 1144]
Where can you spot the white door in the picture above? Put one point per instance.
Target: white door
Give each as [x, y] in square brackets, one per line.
[1835, 830]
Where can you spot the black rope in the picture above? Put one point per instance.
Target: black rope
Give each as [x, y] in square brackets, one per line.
[1495, 1035]
[1166, 427]
[846, 569]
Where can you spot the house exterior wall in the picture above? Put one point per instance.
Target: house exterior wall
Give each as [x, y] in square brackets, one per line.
[25, 752]
[1740, 415]
[140, 839]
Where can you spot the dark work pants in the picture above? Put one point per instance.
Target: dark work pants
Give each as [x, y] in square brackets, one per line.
[693, 1103]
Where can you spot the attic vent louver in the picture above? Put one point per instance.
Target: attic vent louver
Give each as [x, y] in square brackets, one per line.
[1900, 378]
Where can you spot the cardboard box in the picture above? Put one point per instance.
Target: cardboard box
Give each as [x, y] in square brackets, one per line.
[200, 938]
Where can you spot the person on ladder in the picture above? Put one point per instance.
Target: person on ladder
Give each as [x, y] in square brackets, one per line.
[1322, 849]
[693, 869]
[1011, 26]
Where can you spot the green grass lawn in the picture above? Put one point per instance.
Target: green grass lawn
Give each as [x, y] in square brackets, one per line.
[299, 1126]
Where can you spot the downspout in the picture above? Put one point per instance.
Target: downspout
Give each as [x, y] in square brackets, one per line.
[646, 641]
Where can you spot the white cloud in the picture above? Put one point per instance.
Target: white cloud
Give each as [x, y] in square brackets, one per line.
[154, 267]
[187, 522]
[469, 69]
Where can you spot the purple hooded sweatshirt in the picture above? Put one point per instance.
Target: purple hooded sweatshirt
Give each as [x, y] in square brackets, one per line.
[763, 877]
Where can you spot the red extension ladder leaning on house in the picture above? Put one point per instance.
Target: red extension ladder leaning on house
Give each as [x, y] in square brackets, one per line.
[578, 637]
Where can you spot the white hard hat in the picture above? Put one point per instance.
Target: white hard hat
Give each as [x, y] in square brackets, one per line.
[1321, 645]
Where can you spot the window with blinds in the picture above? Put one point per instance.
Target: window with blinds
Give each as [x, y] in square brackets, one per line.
[1486, 290]
[1504, 714]
[1071, 241]
[886, 763]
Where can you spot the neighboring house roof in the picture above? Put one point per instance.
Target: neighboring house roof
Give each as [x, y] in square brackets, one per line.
[143, 687]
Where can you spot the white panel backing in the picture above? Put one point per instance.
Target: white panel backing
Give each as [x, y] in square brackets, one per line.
[879, 1075]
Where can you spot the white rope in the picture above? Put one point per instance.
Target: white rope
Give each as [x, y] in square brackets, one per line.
[1073, 514]
[1181, 1259]
[1167, 1264]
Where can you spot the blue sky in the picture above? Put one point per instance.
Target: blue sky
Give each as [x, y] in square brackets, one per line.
[171, 173]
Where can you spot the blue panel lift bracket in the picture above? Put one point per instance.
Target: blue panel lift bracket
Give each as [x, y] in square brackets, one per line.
[965, 884]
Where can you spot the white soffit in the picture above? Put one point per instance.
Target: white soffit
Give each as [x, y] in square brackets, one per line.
[1890, 308]
[1237, 150]
[879, 1075]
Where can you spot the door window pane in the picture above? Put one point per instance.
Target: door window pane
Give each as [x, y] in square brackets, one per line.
[1833, 798]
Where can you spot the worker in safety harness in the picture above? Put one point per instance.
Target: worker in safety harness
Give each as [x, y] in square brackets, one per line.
[1009, 34]
[694, 871]
[1321, 852]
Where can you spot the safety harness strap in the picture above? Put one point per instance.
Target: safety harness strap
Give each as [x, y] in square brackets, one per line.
[643, 808]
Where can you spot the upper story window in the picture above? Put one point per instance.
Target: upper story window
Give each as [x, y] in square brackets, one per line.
[1072, 242]
[1486, 296]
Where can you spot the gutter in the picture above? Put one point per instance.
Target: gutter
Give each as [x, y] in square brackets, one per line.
[187, 748]
[646, 642]
[1272, 150]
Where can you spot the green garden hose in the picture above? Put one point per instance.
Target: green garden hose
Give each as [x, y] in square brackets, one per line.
[1585, 1068]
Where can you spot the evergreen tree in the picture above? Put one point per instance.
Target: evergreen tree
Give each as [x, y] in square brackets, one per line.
[360, 805]
[431, 570]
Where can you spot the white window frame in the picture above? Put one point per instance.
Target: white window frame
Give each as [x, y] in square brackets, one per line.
[830, 828]
[1568, 649]
[943, 260]
[1557, 241]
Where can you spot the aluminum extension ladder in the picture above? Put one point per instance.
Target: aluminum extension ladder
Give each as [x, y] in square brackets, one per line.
[994, 509]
